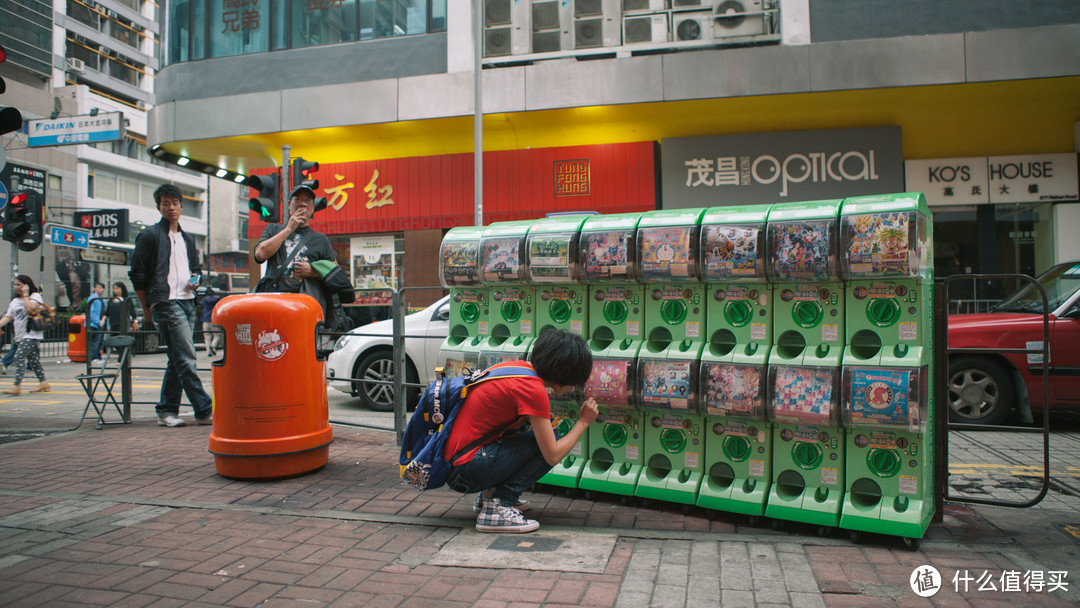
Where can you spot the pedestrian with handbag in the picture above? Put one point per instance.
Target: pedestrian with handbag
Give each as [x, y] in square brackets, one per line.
[27, 301]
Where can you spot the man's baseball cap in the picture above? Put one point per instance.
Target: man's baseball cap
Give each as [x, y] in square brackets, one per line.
[299, 188]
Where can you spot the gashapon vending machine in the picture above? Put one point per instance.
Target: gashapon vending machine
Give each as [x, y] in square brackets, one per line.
[802, 241]
[553, 265]
[669, 360]
[459, 271]
[616, 437]
[616, 313]
[738, 322]
[888, 364]
[564, 414]
[512, 314]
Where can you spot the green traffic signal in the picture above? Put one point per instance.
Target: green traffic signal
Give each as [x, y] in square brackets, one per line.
[268, 202]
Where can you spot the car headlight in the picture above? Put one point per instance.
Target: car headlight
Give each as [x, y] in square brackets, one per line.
[342, 342]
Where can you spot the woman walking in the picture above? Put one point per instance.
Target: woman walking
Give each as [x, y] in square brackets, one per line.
[27, 300]
[119, 312]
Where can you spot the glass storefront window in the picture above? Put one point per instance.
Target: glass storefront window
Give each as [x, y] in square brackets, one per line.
[238, 27]
[319, 22]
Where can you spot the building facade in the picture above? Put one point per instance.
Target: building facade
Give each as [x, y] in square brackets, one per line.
[356, 83]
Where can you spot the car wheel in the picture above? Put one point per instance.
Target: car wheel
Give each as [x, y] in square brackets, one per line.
[378, 365]
[980, 391]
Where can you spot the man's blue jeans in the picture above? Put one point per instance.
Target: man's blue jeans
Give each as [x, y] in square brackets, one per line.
[96, 335]
[175, 320]
[511, 466]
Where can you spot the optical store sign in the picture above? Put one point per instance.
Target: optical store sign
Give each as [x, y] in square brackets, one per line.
[1032, 178]
[784, 166]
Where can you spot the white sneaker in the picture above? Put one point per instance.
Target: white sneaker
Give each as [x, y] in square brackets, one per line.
[97, 362]
[478, 504]
[170, 420]
[496, 518]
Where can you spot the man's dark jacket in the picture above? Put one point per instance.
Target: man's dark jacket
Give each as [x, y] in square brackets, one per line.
[150, 263]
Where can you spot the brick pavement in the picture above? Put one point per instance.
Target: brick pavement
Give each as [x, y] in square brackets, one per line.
[137, 516]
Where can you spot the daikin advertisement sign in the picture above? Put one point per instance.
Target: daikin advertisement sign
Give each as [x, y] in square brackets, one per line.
[776, 167]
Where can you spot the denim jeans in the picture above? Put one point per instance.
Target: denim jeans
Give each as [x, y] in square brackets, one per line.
[96, 336]
[510, 466]
[175, 320]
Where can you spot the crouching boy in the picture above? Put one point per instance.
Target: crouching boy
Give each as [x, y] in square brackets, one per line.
[503, 468]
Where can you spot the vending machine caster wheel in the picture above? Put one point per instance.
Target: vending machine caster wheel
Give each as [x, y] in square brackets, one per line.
[912, 543]
[753, 521]
[588, 495]
[855, 536]
[824, 531]
[776, 524]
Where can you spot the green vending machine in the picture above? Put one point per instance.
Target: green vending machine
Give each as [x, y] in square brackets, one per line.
[667, 243]
[553, 265]
[510, 323]
[738, 438]
[459, 258]
[738, 318]
[888, 364]
[674, 434]
[808, 444]
[738, 321]
[616, 310]
[564, 414]
[616, 437]
[803, 266]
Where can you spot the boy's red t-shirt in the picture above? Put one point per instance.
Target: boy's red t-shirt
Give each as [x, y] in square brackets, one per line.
[493, 405]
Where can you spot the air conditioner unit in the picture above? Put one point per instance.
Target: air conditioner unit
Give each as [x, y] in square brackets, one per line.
[506, 27]
[75, 64]
[596, 23]
[738, 18]
[643, 6]
[680, 4]
[142, 105]
[551, 26]
[692, 26]
[640, 29]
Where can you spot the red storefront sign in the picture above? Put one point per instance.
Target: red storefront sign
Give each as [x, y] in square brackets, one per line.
[399, 194]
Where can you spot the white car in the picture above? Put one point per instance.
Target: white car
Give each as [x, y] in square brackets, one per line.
[370, 357]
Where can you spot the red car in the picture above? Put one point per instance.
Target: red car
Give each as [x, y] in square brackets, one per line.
[986, 388]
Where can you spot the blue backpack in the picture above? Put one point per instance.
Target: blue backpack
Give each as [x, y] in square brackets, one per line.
[421, 461]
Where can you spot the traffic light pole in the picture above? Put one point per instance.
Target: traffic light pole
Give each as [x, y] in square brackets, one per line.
[286, 181]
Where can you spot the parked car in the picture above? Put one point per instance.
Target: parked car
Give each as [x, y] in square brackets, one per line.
[370, 357]
[985, 388]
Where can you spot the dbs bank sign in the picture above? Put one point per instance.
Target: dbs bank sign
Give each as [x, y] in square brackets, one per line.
[111, 225]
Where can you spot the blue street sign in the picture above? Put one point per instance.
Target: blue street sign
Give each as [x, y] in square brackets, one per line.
[69, 237]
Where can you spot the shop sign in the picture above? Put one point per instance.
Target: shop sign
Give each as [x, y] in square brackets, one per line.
[1029, 178]
[110, 225]
[85, 129]
[777, 167]
[104, 256]
[949, 181]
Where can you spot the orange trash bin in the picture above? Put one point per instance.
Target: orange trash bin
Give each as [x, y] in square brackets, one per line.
[77, 338]
[271, 417]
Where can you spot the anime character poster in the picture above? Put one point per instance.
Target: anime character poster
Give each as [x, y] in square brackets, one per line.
[488, 358]
[803, 395]
[733, 390]
[880, 397]
[607, 255]
[666, 253]
[460, 263]
[878, 244]
[502, 261]
[803, 250]
[549, 258]
[666, 384]
[731, 252]
[609, 382]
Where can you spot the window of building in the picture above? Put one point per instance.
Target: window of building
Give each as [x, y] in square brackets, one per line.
[238, 27]
[316, 23]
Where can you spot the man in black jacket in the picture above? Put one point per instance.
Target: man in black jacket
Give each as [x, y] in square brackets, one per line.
[165, 271]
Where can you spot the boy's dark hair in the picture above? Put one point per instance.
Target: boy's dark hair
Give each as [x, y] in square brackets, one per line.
[99, 284]
[169, 190]
[561, 358]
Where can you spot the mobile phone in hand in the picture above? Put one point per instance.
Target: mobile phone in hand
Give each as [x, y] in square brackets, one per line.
[194, 281]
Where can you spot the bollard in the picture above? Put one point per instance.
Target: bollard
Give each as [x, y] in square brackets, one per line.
[77, 338]
[271, 418]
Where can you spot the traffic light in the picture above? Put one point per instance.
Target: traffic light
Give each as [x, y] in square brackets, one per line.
[268, 202]
[303, 174]
[10, 118]
[35, 212]
[16, 224]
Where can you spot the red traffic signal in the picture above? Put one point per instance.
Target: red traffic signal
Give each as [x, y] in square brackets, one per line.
[10, 118]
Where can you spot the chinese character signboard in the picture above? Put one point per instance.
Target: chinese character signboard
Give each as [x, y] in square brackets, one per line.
[110, 225]
[997, 179]
[86, 129]
[777, 167]
[571, 177]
